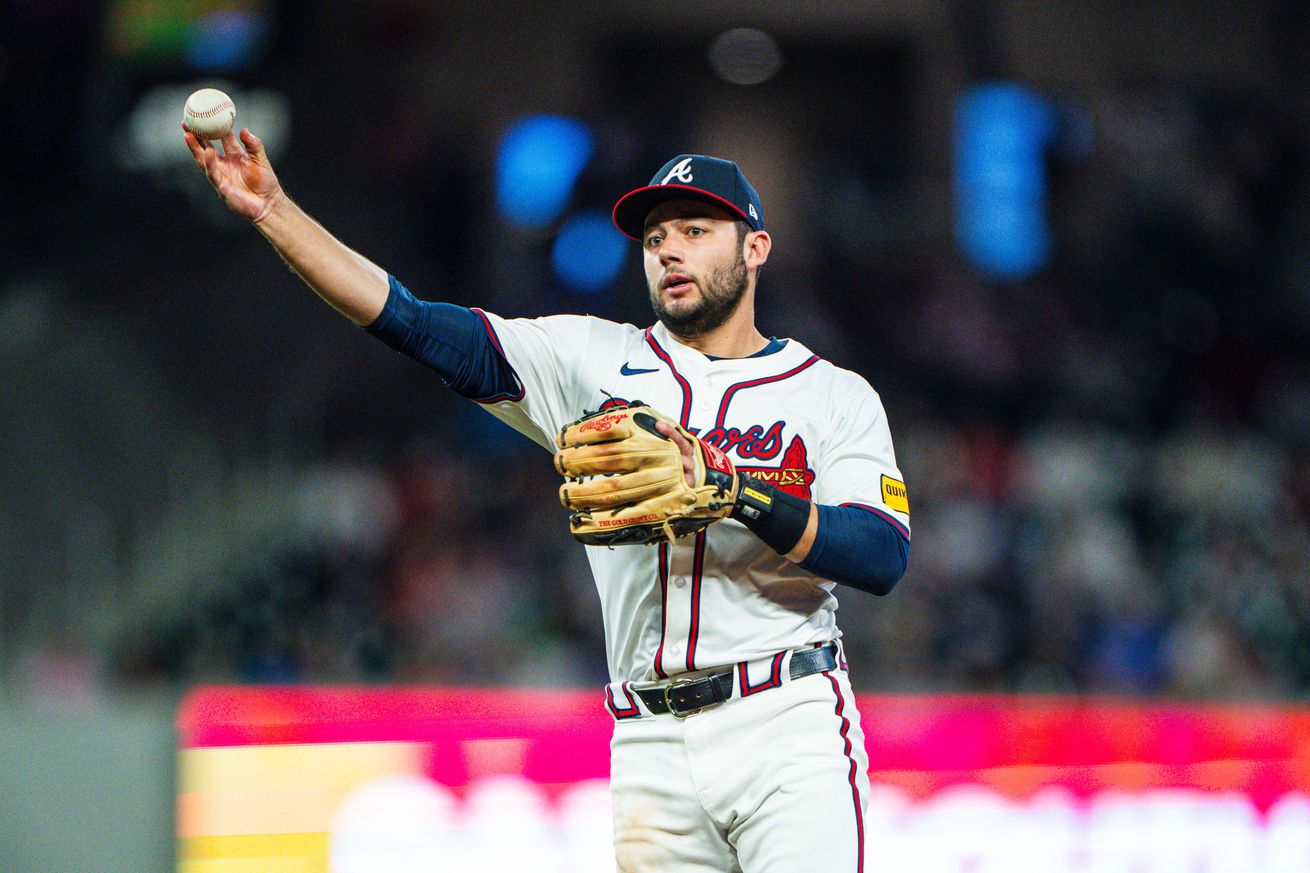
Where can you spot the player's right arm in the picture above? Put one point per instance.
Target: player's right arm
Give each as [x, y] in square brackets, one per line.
[526, 376]
[243, 177]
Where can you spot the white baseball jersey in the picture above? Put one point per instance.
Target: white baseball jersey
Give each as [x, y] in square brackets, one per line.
[789, 417]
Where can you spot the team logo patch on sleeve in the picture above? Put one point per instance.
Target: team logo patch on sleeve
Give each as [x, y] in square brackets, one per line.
[895, 495]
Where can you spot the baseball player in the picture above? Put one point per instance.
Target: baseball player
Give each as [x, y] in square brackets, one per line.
[725, 482]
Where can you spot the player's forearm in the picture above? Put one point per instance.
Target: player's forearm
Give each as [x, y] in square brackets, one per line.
[349, 282]
[801, 550]
[858, 547]
[846, 544]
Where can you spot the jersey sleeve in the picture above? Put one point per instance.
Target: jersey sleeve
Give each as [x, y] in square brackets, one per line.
[547, 356]
[857, 466]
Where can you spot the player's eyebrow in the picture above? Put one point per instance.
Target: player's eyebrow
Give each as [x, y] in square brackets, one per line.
[682, 217]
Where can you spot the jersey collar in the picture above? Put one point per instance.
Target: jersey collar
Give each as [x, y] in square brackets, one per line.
[775, 348]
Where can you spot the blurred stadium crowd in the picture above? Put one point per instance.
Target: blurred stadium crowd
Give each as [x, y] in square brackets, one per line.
[1108, 462]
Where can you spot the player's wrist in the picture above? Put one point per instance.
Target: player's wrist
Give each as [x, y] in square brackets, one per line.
[275, 206]
[776, 517]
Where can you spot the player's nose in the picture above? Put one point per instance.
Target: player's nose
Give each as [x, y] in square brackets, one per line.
[669, 253]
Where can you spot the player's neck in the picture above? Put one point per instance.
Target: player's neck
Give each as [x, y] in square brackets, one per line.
[735, 338]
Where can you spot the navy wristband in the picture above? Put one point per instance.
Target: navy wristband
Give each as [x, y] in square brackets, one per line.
[773, 515]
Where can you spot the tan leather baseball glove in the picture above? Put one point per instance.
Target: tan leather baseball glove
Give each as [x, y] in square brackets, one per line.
[624, 480]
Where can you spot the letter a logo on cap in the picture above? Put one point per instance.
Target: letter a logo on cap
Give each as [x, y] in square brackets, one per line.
[681, 171]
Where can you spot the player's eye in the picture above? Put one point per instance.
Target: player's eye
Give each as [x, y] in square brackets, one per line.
[695, 231]
[654, 239]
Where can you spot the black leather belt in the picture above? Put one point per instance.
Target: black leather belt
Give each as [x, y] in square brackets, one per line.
[682, 697]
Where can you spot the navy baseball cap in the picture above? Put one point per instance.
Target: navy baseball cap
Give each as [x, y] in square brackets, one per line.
[693, 177]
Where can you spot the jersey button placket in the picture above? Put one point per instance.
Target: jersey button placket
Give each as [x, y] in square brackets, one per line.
[703, 392]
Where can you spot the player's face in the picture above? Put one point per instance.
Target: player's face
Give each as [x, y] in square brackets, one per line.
[694, 266]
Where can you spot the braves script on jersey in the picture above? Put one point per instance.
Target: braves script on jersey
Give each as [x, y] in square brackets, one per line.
[790, 418]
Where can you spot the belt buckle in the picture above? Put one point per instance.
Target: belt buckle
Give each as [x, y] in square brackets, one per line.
[668, 689]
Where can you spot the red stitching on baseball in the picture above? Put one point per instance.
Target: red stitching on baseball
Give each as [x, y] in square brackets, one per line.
[219, 108]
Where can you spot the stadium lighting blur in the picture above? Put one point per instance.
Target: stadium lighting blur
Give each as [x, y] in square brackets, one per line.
[745, 56]
[588, 252]
[227, 35]
[1001, 134]
[226, 40]
[537, 165]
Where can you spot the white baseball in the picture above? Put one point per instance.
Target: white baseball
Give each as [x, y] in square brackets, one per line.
[209, 113]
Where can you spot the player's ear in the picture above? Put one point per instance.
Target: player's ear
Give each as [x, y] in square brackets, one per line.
[756, 247]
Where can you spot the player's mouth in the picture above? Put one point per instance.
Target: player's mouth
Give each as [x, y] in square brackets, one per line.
[677, 284]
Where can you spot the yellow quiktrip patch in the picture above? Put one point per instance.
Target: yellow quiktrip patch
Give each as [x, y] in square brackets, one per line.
[895, 495]
[762, 498]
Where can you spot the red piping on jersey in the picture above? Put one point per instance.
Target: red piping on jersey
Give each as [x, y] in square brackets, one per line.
[664, 356]
[699, 564]
[697, 570]
[630, 711]
[774, 680]
[733, 389]
[850, 776]
[897, 524]
[495, 341]
[664, 608]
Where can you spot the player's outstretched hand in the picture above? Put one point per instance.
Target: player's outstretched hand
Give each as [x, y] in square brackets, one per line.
[242, 176]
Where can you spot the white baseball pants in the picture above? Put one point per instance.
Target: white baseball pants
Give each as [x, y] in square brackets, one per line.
[776, 782]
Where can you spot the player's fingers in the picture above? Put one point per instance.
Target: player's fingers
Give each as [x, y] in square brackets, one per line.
[202, 154]
[230, 144]
[687, 450]
[683, 444]
[193, 143]
[254, 145]
[205, 154]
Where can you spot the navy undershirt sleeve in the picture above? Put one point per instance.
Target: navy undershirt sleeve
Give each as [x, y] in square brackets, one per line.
[450, 339]
[859, 548]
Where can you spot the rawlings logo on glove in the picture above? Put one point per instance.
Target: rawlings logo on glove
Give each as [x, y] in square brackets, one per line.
[625, 483]
[600, 423]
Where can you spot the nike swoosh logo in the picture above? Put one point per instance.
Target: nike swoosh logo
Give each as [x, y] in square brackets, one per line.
[625, 370]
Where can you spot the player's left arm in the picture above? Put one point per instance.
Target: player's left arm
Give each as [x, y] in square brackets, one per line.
[853, 546]
[857, 528]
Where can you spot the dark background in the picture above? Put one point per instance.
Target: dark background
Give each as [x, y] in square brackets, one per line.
[207, 475]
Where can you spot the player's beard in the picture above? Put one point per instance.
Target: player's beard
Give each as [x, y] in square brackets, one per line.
[720, 295]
